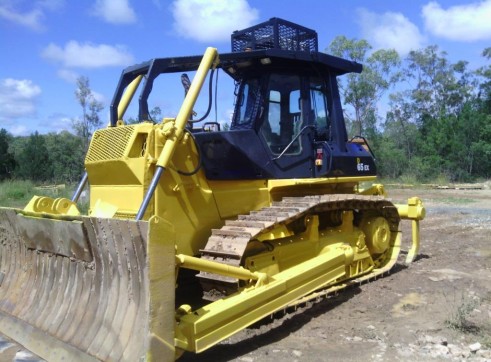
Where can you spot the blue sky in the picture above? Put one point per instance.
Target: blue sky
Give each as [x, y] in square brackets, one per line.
[46, 44]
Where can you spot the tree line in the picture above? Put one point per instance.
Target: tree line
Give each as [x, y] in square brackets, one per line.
[423, 116]
[52, 157]
[437, 121]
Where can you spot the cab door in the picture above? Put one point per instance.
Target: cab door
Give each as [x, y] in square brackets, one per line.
[287, 129]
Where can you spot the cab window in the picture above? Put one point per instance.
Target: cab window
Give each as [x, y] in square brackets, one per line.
[248, 105]
[319, 110]
[283, 119]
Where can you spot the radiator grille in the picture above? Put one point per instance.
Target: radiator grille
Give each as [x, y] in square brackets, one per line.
[109, 143]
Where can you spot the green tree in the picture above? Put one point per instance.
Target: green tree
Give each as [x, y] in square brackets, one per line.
[473, 132]
[485, 85]
[67, 156]
[90, 120]
[429, 120]
[363, 91]
[398, 124]
[438, 87]
[155, 116]
[391, 159]
[481, 146]
[7, 161]
[34, 161]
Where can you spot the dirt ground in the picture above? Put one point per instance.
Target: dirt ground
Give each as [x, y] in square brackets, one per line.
[436, 309]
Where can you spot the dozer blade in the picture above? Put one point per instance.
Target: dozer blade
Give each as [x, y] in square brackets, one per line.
[83, 288]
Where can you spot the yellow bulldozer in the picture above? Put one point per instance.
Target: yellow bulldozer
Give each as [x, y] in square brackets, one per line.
[194, 233]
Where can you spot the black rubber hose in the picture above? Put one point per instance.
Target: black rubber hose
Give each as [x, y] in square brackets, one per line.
[210, 99]
[200, 159]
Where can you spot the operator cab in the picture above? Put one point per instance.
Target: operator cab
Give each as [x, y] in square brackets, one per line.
[288, 120]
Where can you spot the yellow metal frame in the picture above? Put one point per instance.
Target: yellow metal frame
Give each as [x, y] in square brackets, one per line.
[184, 210]
[189, 262]
[127, 97]
[200, 329]
[414, 211]
[173, 131]
[296, 267]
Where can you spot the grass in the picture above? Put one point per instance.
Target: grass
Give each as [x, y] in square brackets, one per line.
[486, 341]
[401, 181]
[460, 317]
[17, 193]
[413, 181]
[457, 200]
[465, 317]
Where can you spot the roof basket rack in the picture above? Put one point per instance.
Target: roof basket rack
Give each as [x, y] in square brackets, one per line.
[275, 33]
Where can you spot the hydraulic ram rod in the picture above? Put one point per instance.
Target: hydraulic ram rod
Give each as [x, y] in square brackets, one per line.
[179, 125]
[198, 264]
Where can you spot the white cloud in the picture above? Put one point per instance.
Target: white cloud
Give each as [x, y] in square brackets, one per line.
[20, 130]
[99, 97]
[87, 55]
[390, 31]
[57, 122]
[468, 22]
[17, 98]
[115, 11]
[32, 18]
[69, 75]
[51, 4]
[205, 20]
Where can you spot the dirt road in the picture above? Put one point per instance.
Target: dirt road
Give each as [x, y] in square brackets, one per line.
[436, 309]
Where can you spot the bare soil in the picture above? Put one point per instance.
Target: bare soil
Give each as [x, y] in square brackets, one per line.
[436, 309]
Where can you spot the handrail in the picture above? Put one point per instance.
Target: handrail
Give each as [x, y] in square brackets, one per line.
[292, 141]
[128, 96]
[365, 142]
